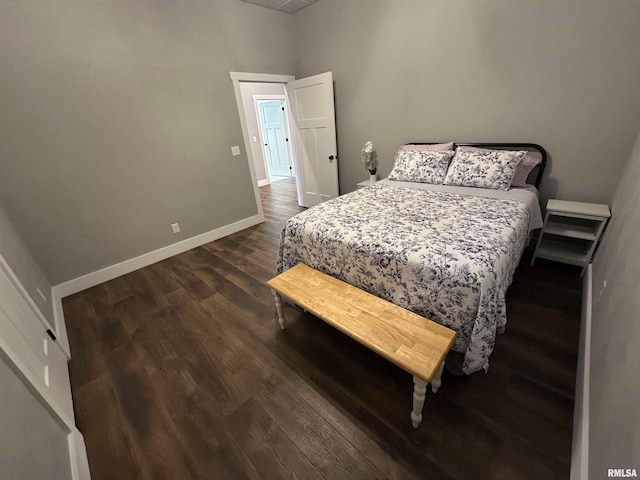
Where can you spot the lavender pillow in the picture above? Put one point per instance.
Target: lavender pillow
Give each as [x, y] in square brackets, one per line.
[436, 147]
[525, 167]
[421, 166]
[483, 168]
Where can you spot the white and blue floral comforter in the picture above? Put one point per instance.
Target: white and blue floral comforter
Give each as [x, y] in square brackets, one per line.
[446, 256]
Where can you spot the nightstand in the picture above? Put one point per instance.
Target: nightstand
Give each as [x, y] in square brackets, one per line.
[571, 232]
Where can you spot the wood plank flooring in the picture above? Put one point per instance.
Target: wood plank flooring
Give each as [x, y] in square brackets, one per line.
[180, 372]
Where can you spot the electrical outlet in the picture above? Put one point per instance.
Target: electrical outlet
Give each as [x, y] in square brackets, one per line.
[175, 227]
[235, 150]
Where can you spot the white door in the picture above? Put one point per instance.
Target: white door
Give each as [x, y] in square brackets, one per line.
[274, 137]
[38, 437]
[313, 116]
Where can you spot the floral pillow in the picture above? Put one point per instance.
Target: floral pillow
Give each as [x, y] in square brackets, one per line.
[421, 166]
[484, 168]
[525, 167]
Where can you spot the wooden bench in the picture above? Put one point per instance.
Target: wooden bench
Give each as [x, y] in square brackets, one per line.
[413, 343]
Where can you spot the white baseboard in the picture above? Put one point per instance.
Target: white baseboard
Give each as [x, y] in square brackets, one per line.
[580, 444]
[79, 459]
[109, 273]
[60, 325]
[262, 183]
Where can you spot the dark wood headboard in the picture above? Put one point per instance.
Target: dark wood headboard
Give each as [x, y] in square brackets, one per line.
[535, 177]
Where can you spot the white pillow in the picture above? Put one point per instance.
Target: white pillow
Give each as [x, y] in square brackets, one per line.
[484, 169]
[421, 166]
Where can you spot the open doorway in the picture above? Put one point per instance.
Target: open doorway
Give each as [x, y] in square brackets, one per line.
[245, 86]
[309, 109]
[273, 128]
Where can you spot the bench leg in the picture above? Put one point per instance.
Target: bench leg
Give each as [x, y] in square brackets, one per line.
[279, 309]
[436, 382]
[419, 391]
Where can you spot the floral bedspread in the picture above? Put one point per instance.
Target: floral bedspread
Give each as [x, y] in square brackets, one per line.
[445, 256]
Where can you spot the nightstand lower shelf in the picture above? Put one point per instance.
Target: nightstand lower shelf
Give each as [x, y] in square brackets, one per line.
[560, 252]
[571, 231]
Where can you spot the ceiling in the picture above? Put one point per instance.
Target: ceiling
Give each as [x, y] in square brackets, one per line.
[288, 6]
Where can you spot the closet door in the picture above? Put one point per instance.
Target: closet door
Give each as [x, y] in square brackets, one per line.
[38, 437]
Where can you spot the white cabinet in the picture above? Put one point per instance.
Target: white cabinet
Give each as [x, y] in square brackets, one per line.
[38, 436]
[571, 232]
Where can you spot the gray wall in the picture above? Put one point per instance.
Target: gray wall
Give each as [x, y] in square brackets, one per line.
[561, 74]
[15, 253]
[118, 118]
[614, 420]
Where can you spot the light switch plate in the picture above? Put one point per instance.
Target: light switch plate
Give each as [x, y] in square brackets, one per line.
[235, 150]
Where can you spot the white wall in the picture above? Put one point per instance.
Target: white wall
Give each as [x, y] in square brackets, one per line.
[614, 420]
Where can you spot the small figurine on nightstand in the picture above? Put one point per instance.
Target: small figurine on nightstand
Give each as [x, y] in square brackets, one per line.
[370, 159]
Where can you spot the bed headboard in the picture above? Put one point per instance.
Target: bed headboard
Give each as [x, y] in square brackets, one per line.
[535, 177]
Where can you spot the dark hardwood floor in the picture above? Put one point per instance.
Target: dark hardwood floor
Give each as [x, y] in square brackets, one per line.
[179, 372]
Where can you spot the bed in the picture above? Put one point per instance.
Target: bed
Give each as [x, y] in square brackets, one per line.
[445, 252]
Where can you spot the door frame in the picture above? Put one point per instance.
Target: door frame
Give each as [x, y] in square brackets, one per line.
[236, 79]
[287, 128]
